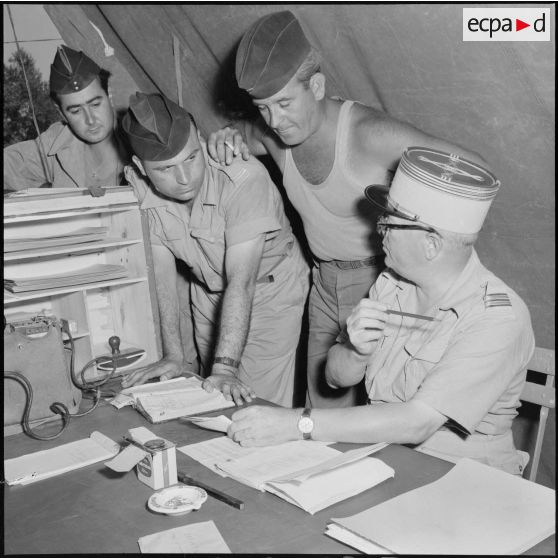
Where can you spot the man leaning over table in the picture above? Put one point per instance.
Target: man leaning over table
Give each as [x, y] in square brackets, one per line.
[449, 386]
[228, 225]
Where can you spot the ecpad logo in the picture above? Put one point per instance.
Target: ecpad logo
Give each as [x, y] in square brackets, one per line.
[506, 24]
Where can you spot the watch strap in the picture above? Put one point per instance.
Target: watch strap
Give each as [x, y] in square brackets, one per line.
[227, 361]
[306, 413]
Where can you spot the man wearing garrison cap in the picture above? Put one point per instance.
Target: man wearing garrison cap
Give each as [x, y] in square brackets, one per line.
[441, 343]
[82, 151]
[229, 227]
[328, 150]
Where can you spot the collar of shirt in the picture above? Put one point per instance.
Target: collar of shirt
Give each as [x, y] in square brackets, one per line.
[63, 140]
[207, 195]
[66, 139]
[460, 295]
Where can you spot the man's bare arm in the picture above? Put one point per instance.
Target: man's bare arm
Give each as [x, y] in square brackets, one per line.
[409, 422]
[387, 138]
[242, 262]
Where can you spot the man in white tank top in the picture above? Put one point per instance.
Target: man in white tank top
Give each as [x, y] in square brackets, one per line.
[328, 150]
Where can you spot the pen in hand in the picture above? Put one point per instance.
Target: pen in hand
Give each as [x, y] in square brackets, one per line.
[409, 315]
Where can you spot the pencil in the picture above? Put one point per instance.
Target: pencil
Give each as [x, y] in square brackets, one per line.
[238, 504]
[409, 315]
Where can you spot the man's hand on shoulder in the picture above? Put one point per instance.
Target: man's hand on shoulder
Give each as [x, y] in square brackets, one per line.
[164, 369]
[226, 144]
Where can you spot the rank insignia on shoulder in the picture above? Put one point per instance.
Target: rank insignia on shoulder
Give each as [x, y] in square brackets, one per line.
[493, 300]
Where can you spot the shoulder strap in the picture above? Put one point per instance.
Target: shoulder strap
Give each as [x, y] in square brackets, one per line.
[343, 128]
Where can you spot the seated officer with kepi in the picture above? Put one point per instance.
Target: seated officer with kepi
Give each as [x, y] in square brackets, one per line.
[441, 342]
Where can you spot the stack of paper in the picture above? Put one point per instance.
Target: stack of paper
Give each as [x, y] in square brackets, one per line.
[473, 509]
[85, 234]
[171, 399]
[333, 481]
[55, 461]
[91, 274]
[308, 474]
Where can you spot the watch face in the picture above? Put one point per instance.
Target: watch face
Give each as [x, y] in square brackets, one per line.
[305, 425]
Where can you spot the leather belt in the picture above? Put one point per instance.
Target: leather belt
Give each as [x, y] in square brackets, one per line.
[355, 264]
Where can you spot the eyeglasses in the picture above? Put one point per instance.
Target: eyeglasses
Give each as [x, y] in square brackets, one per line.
[382, 228]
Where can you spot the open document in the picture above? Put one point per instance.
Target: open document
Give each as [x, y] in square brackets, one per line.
[473, 509]
[171, 399]
[308, 474]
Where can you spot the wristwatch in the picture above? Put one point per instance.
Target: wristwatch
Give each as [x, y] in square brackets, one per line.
[306, 424]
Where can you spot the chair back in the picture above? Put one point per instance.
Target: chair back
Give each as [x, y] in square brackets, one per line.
[543, 362]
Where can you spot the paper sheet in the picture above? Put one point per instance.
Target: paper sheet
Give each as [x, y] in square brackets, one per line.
[273, 462]
[55, 461]
[197, 538]
[219, 424]
[473, 509]
[354, 541]
[141, 434]
[337, 461]
[333, 485]
[216, 450]
[127, 459]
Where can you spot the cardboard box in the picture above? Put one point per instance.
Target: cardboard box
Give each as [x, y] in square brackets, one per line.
[158, 468]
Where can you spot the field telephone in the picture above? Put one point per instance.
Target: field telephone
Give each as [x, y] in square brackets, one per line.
[40, 380]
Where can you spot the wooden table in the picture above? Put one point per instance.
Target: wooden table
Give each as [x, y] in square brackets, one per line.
[93, 510]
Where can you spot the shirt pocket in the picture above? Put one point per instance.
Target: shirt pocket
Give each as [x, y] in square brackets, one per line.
[168, 227]
[423, 356]
[210, 246]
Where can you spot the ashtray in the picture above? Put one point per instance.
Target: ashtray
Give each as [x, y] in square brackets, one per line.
[177, 499]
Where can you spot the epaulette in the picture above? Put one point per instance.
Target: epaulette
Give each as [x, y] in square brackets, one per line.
[493, 300]
[235, 173]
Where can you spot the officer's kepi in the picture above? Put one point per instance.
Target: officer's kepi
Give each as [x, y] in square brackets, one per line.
[440, 189]
[71, 71]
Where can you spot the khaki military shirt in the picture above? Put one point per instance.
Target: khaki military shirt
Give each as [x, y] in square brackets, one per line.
[235, 204]
[470, 365]
[65, 159]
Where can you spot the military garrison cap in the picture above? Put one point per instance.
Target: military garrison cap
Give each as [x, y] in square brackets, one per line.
[71, 71]
[156, 127]
[443, 190]
[270, 53]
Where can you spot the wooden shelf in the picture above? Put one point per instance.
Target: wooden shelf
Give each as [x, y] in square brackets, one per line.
[125, 307]
[22, 297]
